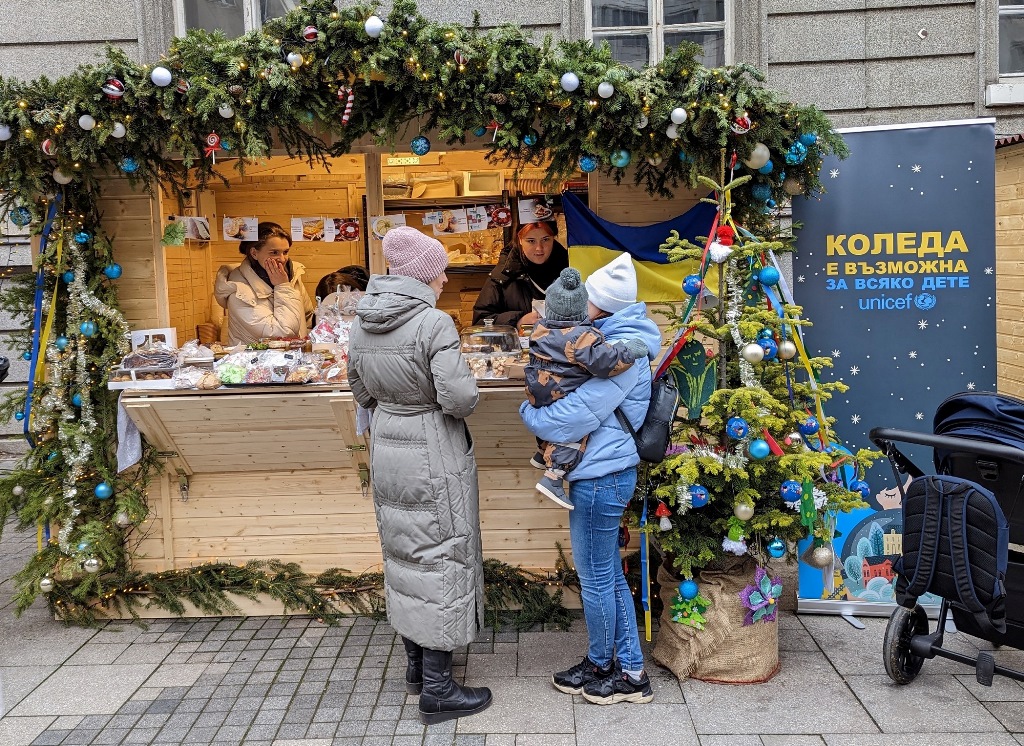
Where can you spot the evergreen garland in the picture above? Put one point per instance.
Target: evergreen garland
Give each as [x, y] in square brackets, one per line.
[67, 135]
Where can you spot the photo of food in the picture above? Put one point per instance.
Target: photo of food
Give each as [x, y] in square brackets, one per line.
[312, 229]
[500, 216]
[346, 229]
[240, 229]
[381, 226]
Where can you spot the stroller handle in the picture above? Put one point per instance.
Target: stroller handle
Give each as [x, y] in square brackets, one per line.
[882, 436]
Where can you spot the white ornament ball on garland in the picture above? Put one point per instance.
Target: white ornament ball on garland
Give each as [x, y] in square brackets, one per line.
[118, 130]
[60, 177]
[605, 89]
[743, 511]
[655, 160]
[758, 157]
[373, 27]
[310, 34]
[122, 519]
[161, 76]
[678, 115]
[18, 490]
[226, 111]
[792, 186]
[91, 565]
[46, 584]
[294, 59]
[642, 121]
[752, 353]
[672, 132]
[569, 82]
[86, 122]
[787, 350]
[5, 133]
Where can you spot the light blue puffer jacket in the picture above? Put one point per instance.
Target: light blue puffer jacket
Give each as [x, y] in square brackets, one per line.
[590, 409]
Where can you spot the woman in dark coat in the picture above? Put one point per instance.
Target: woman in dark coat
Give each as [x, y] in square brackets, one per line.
[521, 277]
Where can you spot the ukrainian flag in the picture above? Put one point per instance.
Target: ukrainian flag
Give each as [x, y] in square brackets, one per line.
[594, 241]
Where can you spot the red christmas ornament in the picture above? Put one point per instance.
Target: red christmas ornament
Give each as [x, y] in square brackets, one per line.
[348, 95]
[48, 147]
[460, 58]
[182, 86]
[310, 34]
[741, 125]
[726, 235]
[113, 89]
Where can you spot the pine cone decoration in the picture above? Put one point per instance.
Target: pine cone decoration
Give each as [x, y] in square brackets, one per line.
[499, 98]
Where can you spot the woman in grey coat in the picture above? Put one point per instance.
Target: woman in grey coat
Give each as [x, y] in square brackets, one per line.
[405, 364]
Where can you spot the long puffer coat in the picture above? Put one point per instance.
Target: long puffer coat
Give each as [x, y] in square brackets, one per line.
[404, 361]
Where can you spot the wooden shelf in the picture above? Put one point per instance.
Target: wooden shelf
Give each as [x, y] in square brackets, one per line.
[469, 269]
[402, 203]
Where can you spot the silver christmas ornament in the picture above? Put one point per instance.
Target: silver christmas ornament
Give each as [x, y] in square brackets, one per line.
[18, 490]
[743, 511]
[821, 557]
[758, 157]
[792, 186]
[122, 519]
[91, 565]
[794, 441]
[787, 350]
[46, 584]
[752, 353]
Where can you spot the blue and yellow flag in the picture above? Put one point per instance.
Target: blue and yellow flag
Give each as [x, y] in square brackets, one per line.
[594, 241]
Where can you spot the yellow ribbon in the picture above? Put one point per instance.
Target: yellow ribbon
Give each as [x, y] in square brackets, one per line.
[39, 371]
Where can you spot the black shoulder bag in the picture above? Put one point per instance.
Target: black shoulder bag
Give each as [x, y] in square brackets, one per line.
[653, 436]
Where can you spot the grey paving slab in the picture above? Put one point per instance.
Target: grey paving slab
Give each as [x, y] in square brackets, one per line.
[21, 731]
[731, 741]
[792, 741]
[487, 666]
[1010, 714]
[542, 739]
[176, 674]
[931, 739]
[63, 693]
[91, 654]
[27, 641]
[503, 739]
[1002, 689]
[17, 681]
[768, 708]
[521, 705]
[634, 724]
[543, 653]
[303, 742]
[664, 684]
[142, 652]
[929, 703]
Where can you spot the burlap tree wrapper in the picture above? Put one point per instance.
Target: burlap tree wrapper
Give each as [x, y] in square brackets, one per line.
[725, 651]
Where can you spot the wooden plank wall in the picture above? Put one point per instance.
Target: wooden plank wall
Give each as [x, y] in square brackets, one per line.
[1010, 269]
[627, 204]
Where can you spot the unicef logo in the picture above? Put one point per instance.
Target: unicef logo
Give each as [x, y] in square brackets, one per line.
[925, 301]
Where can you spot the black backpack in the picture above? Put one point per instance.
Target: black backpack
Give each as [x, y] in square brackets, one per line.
[653, 436]
[955, 545]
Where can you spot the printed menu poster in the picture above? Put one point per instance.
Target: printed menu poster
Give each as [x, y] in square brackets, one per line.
[446, 222]
[342, 229]
[308, 229]
[196, 229]
[534, 210]
[381, 224]
[241, 229]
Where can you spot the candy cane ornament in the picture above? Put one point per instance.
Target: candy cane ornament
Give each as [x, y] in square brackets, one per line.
[349, 95]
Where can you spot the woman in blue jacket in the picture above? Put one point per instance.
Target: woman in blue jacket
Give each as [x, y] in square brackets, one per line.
[601, 487]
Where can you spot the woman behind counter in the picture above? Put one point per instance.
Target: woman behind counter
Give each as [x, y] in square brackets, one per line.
[405, 363]
[522, 277]
[264, 295]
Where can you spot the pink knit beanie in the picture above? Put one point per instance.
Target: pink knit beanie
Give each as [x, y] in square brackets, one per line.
[414, 254]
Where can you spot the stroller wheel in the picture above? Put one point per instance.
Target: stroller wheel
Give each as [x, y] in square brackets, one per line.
[900, 662]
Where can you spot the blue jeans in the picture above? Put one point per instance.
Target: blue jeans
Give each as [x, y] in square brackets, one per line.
[607, 601]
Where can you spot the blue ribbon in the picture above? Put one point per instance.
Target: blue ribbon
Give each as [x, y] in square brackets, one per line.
[645, 568]
[37, 317]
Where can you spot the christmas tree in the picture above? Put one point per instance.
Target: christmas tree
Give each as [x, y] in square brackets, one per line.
[756, 463]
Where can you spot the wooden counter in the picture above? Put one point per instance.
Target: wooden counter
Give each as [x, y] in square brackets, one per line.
[278, 472]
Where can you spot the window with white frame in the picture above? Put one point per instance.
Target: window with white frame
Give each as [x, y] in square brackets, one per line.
[641, 31]
[233, 17]
[1011, 37]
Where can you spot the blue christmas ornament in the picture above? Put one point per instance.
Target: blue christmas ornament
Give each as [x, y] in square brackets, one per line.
[68, 277]
[83, 546]
[588, 164]
[308, 116]
[766, 333]
[771, 349]
[808, 138]
[761, 192]
[130, 165]
[797, 153]
[862, 487]
[698, 496]
[21, 216]
[52, 456]
[112, 271]
[692, 284]
[768, 276]
[61, 343]
[766, 168]
[26, 355]
[530, 138]
[103, 490]
[770, 204]
[77, 400]
[688, 589]
[684, 157]
[82, 237]
[759, 449]
[480, 131]
[737, 428]
[420, 145]
[776, 547]
[809, 426]
[19, 416]
[621, 158]
[225, 145]
[791, 490]
[88, 328]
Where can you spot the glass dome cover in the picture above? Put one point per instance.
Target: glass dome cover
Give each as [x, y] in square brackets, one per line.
[490, 337]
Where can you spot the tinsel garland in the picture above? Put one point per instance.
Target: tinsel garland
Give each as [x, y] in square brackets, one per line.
[734, 288]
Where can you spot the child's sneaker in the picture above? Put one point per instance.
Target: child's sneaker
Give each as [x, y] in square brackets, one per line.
[619, 687]
[537, 460]
[554, 489]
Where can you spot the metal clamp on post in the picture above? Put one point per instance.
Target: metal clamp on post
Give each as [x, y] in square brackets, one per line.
[364, 479]
[183, 485]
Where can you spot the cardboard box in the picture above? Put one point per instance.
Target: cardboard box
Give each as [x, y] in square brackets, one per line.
[144, 337]
[479, 183]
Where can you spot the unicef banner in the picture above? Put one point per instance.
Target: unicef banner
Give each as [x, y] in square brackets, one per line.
[896, 269]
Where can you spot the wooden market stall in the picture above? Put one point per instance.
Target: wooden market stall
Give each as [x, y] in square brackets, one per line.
[1010, 264]
[279, 472]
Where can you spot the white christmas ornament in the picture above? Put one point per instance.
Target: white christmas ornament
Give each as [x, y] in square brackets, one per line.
[46, 584]
[758, 157]
[605, 90]
[569, 82]
[373, 27]
[642, 121]
[655, 160]
[719, 253]
[122, 519]
[5, 133]
[678, 115]
[161, 76]
[60, 177]
[86, 122]
[752, 353]
[226, 111]
[18, 490]
[743, 511]
[787, 350]
[672, 132]
[118, 130]
[91, 565]
[294, 59]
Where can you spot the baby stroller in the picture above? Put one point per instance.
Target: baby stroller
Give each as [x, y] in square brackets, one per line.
[957, 530]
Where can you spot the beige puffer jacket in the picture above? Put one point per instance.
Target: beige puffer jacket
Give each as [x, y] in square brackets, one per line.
[255, 310]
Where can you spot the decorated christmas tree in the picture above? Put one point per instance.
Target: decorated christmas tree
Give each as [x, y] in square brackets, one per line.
[755, 463]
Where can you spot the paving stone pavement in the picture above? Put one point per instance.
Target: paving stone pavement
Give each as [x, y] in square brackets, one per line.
[294, 682]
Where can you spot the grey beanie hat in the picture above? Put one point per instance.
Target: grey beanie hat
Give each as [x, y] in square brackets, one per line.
[566, 298]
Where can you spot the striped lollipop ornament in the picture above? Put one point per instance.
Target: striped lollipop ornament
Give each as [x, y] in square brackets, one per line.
[349, 95]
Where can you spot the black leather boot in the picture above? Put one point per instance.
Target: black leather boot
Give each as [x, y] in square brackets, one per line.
[413, 666]
[442, 699]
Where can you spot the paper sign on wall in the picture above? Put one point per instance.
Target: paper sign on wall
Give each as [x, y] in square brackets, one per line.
[196, 229]
[241, 229]
[342, 229]
[308, 229]
[381, 224]
[451, 221]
